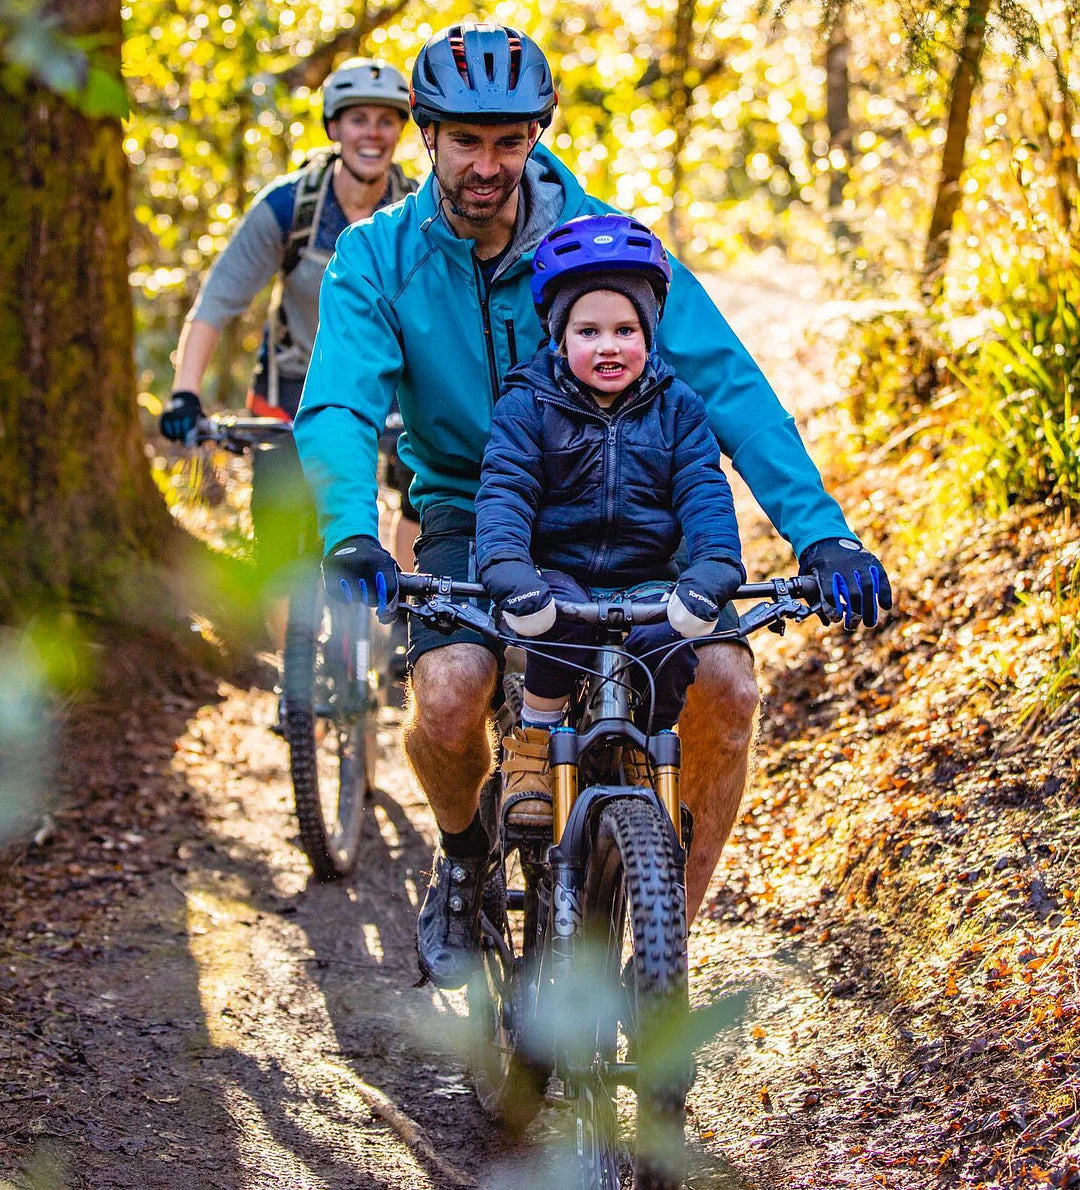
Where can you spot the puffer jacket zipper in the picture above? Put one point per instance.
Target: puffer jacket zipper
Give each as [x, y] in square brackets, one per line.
[611, 442]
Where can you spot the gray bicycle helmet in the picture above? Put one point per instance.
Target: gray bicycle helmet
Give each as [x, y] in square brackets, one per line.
[482, 74]
[364, 80]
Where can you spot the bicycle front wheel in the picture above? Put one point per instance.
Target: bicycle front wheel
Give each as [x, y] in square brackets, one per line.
[330, 722]
[635, 923]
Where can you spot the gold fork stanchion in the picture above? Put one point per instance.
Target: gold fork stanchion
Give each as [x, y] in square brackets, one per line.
[564, 776]
[667, 778]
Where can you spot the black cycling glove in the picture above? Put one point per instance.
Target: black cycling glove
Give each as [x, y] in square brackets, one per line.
[360, 570]
[180, 417]
[703, 588]
[524, 599]
[853, 583]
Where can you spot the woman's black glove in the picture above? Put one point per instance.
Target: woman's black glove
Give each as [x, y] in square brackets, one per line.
[703, 588]
[360, 570]
[525, 600]
[852, 582]
[180, 417]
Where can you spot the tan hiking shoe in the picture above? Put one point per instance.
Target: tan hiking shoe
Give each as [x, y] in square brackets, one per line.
[525, 771]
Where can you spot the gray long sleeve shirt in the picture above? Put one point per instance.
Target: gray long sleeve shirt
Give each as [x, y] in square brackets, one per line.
[255, 254]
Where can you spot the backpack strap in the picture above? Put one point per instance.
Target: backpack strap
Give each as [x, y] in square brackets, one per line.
[307, 205]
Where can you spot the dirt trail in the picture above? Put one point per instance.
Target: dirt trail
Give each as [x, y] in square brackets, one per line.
[184, 1008]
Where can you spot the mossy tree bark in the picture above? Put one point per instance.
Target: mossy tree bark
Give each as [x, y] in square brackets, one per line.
[77, 503]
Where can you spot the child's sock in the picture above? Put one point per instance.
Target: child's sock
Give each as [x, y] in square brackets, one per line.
[531, 717]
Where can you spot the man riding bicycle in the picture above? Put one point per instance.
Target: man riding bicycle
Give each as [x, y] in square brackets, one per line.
[289, 233]
[431, 301]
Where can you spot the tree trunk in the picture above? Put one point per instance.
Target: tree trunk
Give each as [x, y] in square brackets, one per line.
[838, 114]
[948, 196]
[76, 497]
[680, 89]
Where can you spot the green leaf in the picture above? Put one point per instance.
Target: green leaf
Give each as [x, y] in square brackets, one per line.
[104, 95]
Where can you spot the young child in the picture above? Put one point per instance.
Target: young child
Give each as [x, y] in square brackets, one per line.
[599, 461]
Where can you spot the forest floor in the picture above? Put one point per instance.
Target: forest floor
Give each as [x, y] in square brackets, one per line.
[892, 932]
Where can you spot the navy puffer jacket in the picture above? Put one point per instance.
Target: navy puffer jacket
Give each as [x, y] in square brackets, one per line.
[604, 495]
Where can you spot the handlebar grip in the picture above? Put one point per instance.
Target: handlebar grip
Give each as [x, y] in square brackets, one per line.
[801, 586]
[427, 585]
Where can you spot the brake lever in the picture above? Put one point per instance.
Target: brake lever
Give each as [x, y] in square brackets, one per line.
[444, 616]
[773, 613]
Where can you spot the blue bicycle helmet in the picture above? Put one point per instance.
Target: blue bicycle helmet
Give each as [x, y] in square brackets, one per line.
[482, 74]
[594, 244]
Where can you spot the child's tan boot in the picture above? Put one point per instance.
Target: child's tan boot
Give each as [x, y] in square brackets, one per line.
[526, 777]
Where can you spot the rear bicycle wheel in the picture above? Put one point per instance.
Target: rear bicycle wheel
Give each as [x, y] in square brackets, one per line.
[509, 1082]
[635, 921]
[330, 726]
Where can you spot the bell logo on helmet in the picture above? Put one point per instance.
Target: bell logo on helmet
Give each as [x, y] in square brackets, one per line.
[603, 239]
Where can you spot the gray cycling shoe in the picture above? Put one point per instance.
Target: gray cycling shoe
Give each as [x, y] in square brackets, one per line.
[448, 924]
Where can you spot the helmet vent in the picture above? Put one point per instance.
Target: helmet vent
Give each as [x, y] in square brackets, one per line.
[489, 67]
[514, 42]
[457, 45]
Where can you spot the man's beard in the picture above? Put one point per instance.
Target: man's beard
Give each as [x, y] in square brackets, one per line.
[467, 208]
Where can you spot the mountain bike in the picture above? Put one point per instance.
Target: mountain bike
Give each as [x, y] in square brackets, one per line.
[584, 967]
[335, 677]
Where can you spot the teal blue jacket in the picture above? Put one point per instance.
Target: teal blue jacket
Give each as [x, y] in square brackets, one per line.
[403, 309]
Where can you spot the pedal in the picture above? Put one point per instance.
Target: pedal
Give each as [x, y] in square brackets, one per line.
[528, 809]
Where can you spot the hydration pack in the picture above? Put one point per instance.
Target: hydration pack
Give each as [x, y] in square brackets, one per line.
[307, 203]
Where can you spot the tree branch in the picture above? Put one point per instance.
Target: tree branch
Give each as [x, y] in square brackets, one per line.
[310, 71]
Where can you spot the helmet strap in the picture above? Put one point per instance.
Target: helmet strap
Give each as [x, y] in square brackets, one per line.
[431, 151]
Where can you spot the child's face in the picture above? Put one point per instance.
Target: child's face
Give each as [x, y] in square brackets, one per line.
[605, 345]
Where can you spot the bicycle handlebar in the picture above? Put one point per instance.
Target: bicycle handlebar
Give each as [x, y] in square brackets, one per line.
[617, 610]
[238, 433]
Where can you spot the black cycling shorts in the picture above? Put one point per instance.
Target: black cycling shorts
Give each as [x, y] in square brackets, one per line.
[445, 547]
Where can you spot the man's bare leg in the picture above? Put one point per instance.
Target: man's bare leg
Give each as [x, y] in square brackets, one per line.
[447, 740]
[717, 730]
[447, 734]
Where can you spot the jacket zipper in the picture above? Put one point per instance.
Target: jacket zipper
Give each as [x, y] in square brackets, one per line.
[609, 490]
[511, 340]
[489, 342]
[611, 439]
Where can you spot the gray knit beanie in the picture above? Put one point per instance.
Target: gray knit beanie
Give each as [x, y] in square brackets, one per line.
[630, 284]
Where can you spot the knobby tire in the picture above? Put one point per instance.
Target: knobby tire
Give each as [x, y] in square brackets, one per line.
[635, 893]
[315, 679]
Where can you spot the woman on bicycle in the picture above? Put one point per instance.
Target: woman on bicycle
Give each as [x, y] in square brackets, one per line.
[600, 460]
[289, 234]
